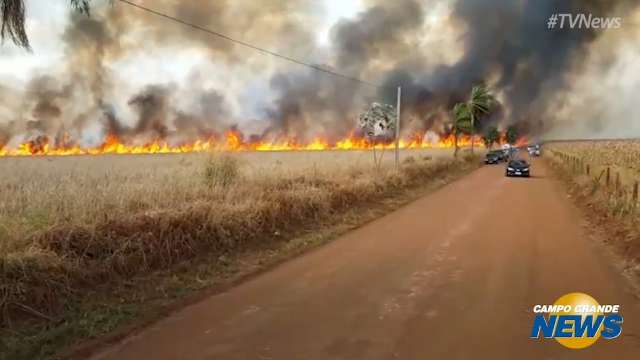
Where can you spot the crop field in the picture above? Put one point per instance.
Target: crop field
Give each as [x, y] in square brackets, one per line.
[608, 169]
[68, 224]
[43, 192]
[619, 155]
[620, 158]
[604, 177]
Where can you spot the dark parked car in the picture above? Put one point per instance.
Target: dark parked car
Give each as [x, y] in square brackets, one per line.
[494, 157]
[518, 168]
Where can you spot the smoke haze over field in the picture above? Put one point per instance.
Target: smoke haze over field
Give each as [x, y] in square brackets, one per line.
[141, 77]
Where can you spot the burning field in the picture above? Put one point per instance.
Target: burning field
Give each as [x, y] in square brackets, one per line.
[230, 141]
[259, 149]
[109, 86]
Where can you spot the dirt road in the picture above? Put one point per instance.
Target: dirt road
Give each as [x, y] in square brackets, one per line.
[453, 275]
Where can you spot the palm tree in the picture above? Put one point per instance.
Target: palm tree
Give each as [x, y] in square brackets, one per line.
[479, 103]
[512, 135]
[12, 20]
[461, 124]
[491, 136]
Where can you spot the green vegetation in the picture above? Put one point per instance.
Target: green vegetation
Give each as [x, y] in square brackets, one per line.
[479, 104]
[461, 123]
[466, 114]
[491, 136]
[512, 135]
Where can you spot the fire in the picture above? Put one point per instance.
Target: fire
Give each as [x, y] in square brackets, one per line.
[231, 141]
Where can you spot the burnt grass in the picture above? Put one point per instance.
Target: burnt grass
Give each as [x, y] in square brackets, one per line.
[65, 287]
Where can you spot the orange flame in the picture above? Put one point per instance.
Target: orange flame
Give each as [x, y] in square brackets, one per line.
[232, 141]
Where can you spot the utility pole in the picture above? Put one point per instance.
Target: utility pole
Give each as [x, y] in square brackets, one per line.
[398, 129]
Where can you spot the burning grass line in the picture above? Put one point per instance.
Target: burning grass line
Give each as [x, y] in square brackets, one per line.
[231, 140]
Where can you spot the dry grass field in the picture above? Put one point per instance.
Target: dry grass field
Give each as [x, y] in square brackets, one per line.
[71, 225]
[622, 157]
[603, 178]
[618, 153]
[42, 193]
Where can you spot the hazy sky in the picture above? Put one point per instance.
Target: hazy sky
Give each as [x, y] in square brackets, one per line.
[46, 21]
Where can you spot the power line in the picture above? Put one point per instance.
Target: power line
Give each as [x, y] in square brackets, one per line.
[245, 44]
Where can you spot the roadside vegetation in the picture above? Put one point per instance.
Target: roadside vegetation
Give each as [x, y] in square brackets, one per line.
[603, 178]
[88, 244]
[467, 116]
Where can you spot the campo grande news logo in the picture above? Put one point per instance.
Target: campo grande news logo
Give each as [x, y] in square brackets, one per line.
[577, 321]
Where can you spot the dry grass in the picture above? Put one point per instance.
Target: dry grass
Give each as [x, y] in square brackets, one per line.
[620, 156]
[69, 224]
[616, 153]
[613, 206]
[610, 166]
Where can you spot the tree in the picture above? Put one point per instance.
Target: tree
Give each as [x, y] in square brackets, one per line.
[512, 135]
[378, 123]
[491, 136]
[479, 103]
[461, 123]
[12, 20]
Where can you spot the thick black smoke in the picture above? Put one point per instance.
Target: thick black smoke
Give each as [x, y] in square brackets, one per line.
[152, 106]
[42, 105]
[509, 41]
[378, 32]
[158, 117]
[93, 43]
[90, 43]
[311, 104]
[208, 118]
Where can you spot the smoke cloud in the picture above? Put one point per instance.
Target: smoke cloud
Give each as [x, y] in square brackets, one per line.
[507, 42]
[503, 44]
